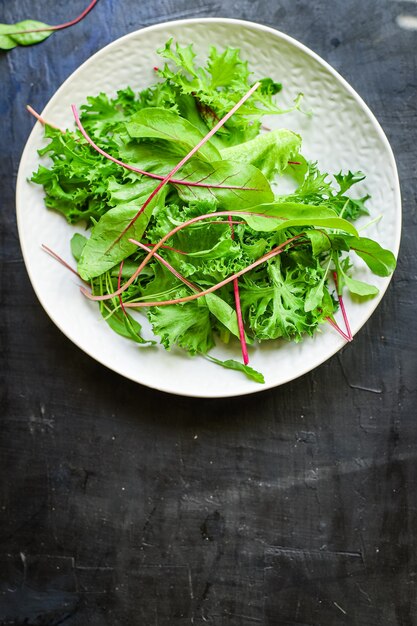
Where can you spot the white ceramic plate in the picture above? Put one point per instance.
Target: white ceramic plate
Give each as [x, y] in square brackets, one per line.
[341, 134]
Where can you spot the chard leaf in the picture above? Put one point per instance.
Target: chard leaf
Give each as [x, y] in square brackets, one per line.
[269, 152]
[381, 261]
[150, 157]
[283, 215]
[99, 255]
[230, 364]
[160, 123]
[8, 40]
[225, 173]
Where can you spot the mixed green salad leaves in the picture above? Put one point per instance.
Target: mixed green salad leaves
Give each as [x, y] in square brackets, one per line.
[222, 255]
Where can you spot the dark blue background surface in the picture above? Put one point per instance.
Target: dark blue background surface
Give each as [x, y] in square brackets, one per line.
[124, 506]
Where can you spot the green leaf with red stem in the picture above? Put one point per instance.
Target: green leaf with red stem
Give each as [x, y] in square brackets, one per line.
[29, 32]
[96, 258]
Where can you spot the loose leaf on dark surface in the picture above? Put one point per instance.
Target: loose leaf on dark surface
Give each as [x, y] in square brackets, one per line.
[11, 40]
[29, 32]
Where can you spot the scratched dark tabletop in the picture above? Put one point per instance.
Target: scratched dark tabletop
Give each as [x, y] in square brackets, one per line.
[124, 506]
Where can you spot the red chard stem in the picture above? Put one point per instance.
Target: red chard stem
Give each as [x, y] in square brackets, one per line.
[342, 307]
[240, 324]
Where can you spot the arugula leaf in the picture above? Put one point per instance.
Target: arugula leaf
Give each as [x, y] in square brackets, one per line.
[357, 287]
[345, 181]
[123, 324]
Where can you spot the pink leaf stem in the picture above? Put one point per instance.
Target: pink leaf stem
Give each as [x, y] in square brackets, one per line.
[58, 26]
[119, 282]
[167, 265]
[266, 257]
[56, 256]
[337, 328]
[40, 119]
[240, 325]
[151, 245]
[342, 307]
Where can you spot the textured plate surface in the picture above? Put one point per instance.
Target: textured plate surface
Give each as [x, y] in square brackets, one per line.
[341, 134]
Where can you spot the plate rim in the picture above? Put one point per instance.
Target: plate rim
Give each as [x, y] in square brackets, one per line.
[309, 52]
